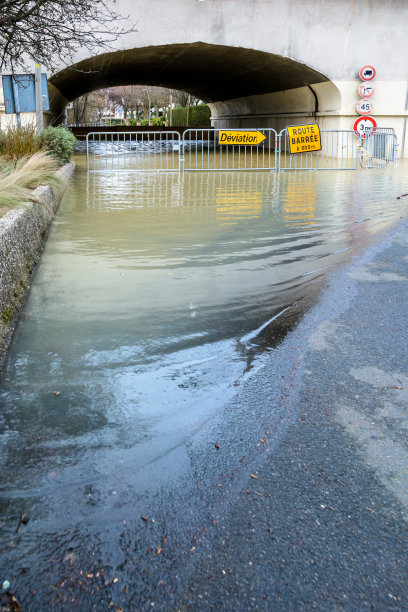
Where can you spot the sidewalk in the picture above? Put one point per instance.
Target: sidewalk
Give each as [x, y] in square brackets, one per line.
[324, 525]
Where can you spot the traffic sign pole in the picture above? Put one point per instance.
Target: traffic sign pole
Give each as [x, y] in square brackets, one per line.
[365, 126]
[16, 101]
[39, 120]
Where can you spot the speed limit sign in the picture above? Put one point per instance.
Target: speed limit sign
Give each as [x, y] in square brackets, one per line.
[365, 107]
[365, 126]
[366, 90]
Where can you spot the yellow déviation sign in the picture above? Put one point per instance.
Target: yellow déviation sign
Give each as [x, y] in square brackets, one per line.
[231, 137]
[304, 138]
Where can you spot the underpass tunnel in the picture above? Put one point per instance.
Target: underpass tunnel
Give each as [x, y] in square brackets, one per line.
[243, 87]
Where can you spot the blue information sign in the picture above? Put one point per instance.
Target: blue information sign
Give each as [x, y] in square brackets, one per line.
[19, 93]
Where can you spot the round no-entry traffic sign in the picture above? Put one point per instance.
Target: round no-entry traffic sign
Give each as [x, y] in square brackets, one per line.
[365, 107]
[365, 126]
[367, 73]
[366, 90]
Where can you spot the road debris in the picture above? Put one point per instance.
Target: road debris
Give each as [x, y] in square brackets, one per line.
[23, 521]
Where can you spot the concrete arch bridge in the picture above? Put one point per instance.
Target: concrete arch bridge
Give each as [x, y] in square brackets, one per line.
[265, 63]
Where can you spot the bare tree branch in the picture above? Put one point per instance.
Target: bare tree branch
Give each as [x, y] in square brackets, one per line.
[50, 31]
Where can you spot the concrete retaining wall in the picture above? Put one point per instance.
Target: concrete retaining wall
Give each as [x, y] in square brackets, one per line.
[22, 231]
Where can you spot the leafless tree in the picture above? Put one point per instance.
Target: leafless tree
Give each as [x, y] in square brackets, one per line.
[182, 98]
[89, 108]
[79, 108]
[50, 31]
[133, 100]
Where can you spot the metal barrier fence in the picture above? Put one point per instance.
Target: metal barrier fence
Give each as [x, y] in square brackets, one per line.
[201, 150]
[340, 151]
[380, 149]
[140, 151]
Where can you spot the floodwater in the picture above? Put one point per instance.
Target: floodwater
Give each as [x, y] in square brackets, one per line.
[156, 297]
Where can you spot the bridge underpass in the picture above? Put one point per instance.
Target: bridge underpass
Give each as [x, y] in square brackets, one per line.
[244, 87]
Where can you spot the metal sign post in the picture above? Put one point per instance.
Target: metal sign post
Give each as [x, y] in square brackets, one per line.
[39, 118]
[365, 126]
[16, 101]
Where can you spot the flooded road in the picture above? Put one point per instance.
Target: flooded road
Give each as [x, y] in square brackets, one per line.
[157, 296]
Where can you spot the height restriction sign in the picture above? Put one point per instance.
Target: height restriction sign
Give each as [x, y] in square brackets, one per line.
[365, 126]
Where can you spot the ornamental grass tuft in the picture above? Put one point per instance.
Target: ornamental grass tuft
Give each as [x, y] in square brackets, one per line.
[19, 179]
[19, 142]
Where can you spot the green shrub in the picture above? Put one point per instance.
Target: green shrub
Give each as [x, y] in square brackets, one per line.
[144, 122]
[60, 142]
[17, 142]
[198, 116]
[133, 121]
[157, 121]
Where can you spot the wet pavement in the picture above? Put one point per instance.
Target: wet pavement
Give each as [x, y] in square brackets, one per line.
[284, 488]
[324, 524]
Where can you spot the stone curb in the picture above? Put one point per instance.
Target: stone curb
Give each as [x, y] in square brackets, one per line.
[22, 231]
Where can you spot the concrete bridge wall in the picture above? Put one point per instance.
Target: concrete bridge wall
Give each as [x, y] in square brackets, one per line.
[259, 62]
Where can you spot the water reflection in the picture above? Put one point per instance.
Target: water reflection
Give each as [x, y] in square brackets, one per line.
[235, 205]
[300, 201]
